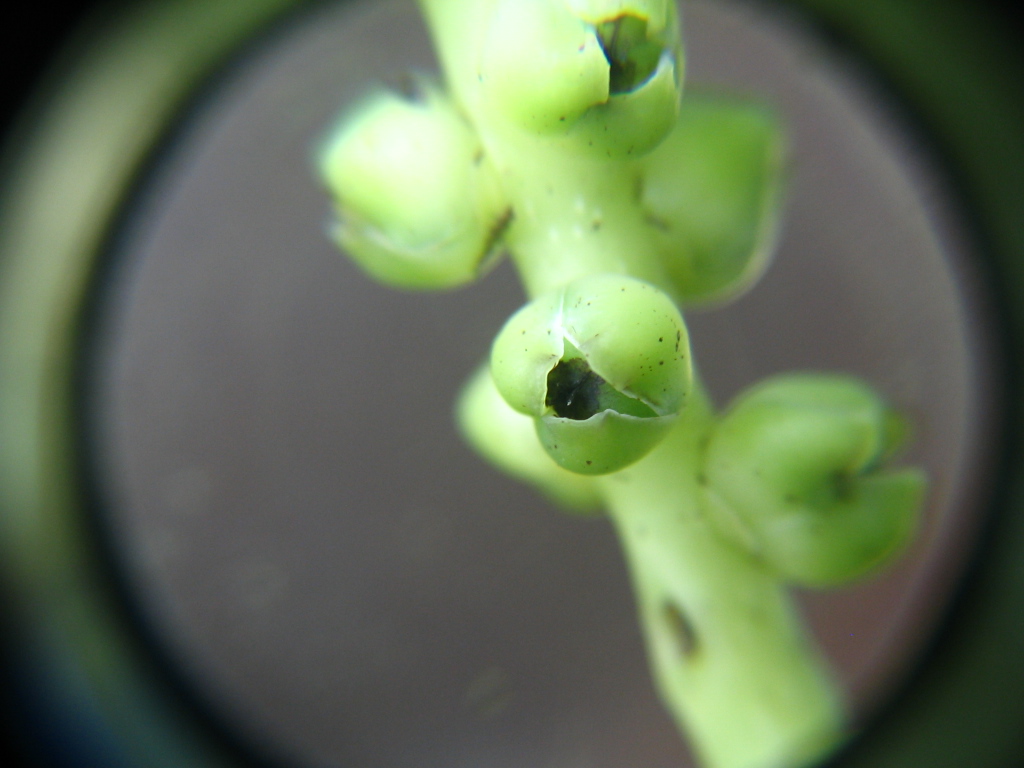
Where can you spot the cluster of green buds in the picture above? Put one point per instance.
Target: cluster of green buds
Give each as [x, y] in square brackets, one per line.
[564, 141]
[560, 137]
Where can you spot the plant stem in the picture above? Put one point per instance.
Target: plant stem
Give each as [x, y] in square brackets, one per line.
[729, 652]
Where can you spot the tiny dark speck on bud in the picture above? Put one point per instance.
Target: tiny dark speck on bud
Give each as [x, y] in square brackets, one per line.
[589, 462]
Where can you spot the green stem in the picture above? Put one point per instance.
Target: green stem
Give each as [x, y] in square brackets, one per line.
[573, 217]
[729, 652]
[730, 655]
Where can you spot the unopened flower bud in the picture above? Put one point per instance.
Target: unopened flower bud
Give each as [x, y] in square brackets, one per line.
[602, 364]
[711, 193]
[418, 201]
[795, 471]
[607, 75]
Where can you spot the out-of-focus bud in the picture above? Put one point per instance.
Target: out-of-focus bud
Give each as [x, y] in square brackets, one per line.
[602, 364]
[419, 203]
[608, 75]
[508, 440]
[542, 67]
[712, 191]
[794, 471]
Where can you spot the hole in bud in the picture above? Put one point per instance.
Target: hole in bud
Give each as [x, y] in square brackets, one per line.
[575, 391]
[632, 57]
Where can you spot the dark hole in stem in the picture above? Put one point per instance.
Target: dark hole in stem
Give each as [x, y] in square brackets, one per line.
[681, 628]
[492, 245]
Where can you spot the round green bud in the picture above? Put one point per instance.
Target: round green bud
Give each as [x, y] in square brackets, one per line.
[645, 83]
[606, 74]
[711, 192]
[641, 41]
[508, 440]
[794, 471]
[542, 66]
[632, 123]
[419, 203]
[602, 365]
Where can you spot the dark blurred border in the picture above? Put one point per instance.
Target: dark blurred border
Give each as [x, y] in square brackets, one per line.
[30, 45]
[29, 48]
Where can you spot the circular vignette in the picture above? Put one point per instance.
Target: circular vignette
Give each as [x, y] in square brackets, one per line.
[974, 660]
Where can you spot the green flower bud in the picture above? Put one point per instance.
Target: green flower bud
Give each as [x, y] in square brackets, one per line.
[645, 54]
[711, 192]
[419, 203]
[602, 365]
[633, 122]
[508, 440]
[794, 471]
[542, 66]
[606, 74]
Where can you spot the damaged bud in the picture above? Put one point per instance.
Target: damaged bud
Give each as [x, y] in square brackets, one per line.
[607, 76]
[603, 367]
